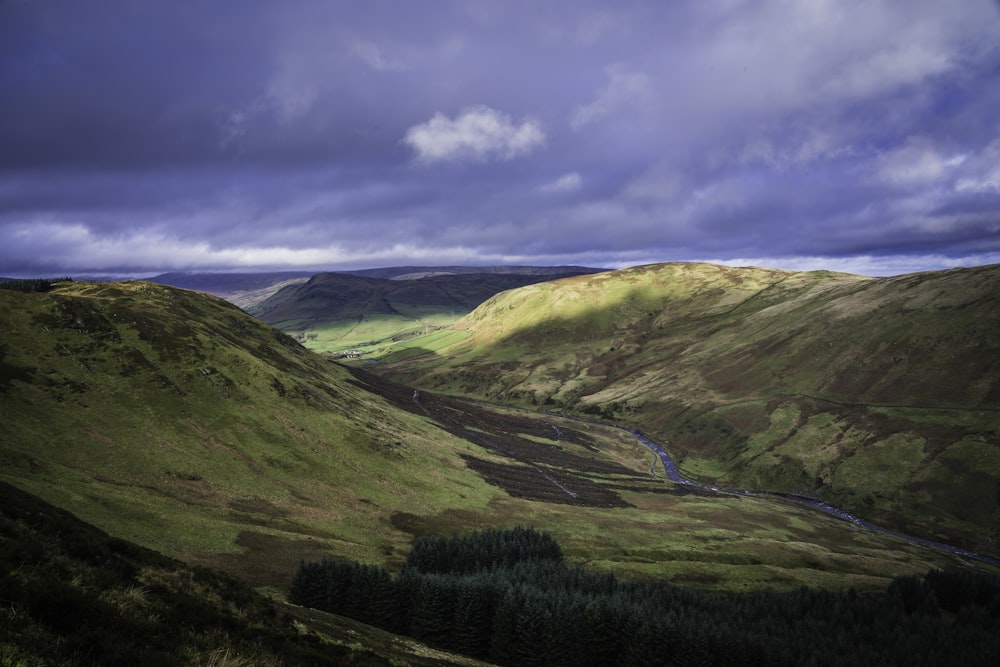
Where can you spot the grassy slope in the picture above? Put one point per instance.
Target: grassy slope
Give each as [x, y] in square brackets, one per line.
[882, 395]
[175, 420]
[333, 312]
[73, 595]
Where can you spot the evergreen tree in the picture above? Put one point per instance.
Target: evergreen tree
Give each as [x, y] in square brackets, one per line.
[475, 605]
[433, 613]
[510, 597]
[505, 627]
[386, 608]
[527, 646]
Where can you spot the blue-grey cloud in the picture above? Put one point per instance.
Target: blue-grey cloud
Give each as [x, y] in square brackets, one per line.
[211, 134]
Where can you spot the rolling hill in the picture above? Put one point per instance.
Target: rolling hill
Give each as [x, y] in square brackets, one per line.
[370, 310]
[174, 420]
[247, 289]
[243, 289]
[880, 395]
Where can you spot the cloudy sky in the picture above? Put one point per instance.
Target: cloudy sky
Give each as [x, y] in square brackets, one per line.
[140, 136]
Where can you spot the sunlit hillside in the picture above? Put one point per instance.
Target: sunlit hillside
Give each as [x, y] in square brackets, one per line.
[364, 314]
[882, 395]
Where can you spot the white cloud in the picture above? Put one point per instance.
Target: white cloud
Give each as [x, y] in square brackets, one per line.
[917, 162]
[373, 56]
[75, 248]
[772, 56]
[863, 265]
[478, 133]
[624, 91]
[982, 172]
[570, 182]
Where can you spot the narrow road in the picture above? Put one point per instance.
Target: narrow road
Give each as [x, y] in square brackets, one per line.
[674, 475]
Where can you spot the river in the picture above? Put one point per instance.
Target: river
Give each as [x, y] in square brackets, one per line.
[674, 475]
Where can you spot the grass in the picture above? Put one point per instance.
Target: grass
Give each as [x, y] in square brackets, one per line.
[173, 420]
[73, 595]
[333, 313]
[160, 451]
[839, 386]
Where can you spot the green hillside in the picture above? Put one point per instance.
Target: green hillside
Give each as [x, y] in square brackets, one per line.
[336, 312]
[73, 595]
[880, 395]
[175, 420]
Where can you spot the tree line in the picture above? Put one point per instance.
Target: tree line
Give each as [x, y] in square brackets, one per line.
[508, 596]
[32, 284]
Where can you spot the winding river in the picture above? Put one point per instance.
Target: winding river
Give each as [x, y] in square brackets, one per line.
[674, 475]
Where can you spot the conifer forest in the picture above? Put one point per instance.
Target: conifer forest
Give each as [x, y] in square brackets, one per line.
[509, 596]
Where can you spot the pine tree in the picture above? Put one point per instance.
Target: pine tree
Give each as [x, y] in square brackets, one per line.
[530, 630]
[504, 627]
[475, 605]
[432, 616]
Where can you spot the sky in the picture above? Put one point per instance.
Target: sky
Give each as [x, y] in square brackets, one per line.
[145, 136]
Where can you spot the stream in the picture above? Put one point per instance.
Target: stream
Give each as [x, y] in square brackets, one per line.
[674, 475]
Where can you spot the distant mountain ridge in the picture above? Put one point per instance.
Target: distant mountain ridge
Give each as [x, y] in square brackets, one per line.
[225, 284]
[362, 309]
[257, 292]
[418, 272]
[222, 284]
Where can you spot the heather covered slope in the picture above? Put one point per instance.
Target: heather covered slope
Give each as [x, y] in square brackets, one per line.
[173, 419]
[882, 395]
[73, 595]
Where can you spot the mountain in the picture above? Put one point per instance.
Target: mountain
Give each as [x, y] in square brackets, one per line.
[174, 420]
[247, 289]
[418, 272]
[224, 284]
[881, 395]
[243, 289]
[369, 309]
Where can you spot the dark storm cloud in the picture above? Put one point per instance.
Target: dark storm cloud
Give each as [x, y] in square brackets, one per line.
[211, 134]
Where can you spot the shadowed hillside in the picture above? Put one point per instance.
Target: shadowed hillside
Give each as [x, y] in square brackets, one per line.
[881, 395]
[243, 289]
[73, 595]
[340, 311]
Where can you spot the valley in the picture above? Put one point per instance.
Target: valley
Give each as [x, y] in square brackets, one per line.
[174, 420]
[366, 312]
[881, 396]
